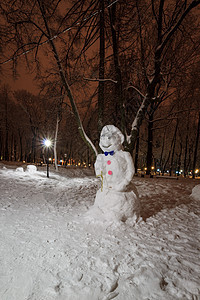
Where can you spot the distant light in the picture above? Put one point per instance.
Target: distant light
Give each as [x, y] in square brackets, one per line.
[47, 143]
[145, 169]
[158, 170]
[50, 158]
[152, 168]
[196, 171]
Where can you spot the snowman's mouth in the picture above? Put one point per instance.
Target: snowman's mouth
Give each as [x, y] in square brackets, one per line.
[107, 146]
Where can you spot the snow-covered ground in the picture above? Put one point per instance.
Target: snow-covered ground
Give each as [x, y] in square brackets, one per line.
[49, 251]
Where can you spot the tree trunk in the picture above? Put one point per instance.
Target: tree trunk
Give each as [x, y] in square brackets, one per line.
[186, 149]
[33, 144]
[150, 144]
[101, 69]
[137, 152]
[15, 149]
[162, 151]
[55, 144]
[6, 155]
[136, 124]
[118, 86]
[21, 145]
[1, 146]
[195, 149]
[179, 159]
[169, 151]
[173, 149]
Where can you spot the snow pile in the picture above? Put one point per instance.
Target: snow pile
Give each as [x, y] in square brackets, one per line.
[20, 170]
[49, 252]
[31, 169]
[196, 192]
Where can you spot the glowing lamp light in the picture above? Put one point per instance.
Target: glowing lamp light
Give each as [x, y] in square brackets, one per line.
[47, 143]
[196, 171]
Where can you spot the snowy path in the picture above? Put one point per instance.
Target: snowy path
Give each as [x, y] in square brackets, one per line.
[49, 252]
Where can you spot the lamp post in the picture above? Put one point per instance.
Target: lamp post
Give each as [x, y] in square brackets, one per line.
[47, 143]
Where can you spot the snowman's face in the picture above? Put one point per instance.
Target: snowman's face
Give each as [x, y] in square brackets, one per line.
[110, 141]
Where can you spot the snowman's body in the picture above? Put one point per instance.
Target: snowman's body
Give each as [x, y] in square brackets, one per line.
[116, 171]
[116, 200]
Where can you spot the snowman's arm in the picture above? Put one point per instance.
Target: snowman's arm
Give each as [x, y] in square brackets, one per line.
[130, 166]
[98, 166]
[130, 171]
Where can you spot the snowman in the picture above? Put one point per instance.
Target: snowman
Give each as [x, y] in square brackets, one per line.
[116, 200]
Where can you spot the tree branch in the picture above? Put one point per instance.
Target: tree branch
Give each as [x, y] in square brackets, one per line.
[193, 4]
[97, 79]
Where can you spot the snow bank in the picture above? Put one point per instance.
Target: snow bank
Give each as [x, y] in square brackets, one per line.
[196, 192]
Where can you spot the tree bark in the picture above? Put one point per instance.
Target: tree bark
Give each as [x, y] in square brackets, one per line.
[21, 145]
[137, 152]
[173, 150]
[172, 143]
[150, 144]
[55, 144]
[6, 155]
[162, 151]
[186, 149]
[118, 86]
[195, 149]
[101, 69]
[179, 159]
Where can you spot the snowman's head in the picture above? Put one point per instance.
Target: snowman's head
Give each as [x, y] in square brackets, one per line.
[111, 138]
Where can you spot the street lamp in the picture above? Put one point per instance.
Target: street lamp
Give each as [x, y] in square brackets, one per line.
[47, 144]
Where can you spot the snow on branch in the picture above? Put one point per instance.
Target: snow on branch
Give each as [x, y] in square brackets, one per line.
[98, 79]
[133, 87]
[138, 118]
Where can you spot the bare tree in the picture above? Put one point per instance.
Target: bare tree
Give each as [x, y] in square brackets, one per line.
[29, 25]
